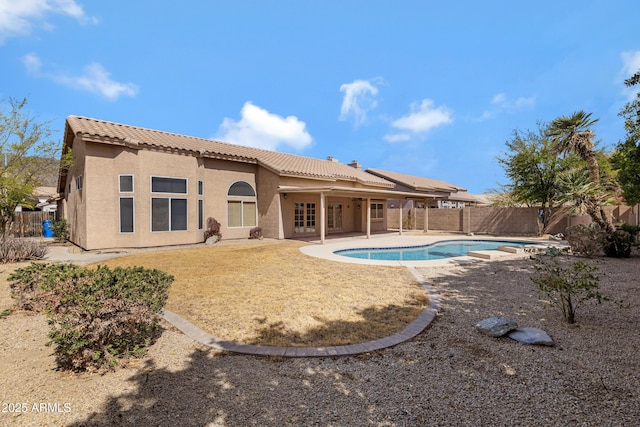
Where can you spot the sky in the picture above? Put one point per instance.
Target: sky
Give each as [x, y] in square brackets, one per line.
[427, 88]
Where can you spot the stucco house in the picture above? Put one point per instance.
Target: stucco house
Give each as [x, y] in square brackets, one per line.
[136, 187]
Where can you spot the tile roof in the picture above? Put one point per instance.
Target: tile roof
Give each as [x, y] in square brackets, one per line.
[416, 183]
[102, 131]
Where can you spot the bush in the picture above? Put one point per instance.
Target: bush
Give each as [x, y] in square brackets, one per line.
[21, 249]
[566, 285]
[213, 229]
[622, 241]
[61, 230]
[255, 233]
[97, 315]
[586, 240]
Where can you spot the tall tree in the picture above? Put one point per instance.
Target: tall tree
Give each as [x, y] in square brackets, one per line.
[626, 158]
[533, 169]
[26, 151]
[572, 135]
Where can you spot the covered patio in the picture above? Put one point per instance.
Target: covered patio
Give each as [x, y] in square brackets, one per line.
[367, 215]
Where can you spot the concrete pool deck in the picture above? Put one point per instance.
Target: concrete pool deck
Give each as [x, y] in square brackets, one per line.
[326, 251]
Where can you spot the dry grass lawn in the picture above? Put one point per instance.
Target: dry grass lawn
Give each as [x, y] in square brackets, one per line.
[269, 293]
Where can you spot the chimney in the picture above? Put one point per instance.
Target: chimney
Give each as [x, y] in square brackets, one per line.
[355, 164]
[331, 159]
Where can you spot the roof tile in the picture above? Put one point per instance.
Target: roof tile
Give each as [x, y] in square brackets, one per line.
[281, 163]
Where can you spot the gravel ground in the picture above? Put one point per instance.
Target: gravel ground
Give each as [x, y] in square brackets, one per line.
[449, 375]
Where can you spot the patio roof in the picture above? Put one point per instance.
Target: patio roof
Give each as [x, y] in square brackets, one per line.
[337, 190]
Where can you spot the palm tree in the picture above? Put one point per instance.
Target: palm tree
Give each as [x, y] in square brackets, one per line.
[572, 134]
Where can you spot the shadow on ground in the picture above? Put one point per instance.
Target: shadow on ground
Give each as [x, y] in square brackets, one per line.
[448, 375]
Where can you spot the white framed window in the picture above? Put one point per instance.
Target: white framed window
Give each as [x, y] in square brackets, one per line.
[241, 205]
[200, 188]
[164, 184]
[377, 210]
[79, 183]
[126, 215]
[168, 214]
[125, 183]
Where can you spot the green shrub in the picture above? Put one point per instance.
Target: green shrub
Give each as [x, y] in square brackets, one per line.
[61, 230]
[566, 284]
[21, 249]
[97, 315]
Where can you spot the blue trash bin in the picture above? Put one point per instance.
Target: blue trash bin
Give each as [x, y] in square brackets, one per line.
[47, 228]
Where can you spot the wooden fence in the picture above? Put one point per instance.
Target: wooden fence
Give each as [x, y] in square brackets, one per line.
[29, 224]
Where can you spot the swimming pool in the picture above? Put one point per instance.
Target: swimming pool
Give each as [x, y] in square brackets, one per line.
[438, 250]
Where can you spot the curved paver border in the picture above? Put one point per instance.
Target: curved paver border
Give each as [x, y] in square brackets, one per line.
[423, 320]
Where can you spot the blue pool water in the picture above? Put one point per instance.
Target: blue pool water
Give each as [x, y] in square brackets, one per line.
[438, 250]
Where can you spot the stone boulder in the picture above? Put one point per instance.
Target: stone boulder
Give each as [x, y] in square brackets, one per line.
[212, 240]
[496, 326]
[531, 336]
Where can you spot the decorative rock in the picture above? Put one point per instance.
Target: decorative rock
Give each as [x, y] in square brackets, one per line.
[496, 326]
[531, 336]
[211, 240]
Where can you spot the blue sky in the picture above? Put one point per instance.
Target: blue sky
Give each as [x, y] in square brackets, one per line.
[427, 88]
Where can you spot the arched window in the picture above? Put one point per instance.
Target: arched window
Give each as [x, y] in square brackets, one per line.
[241, 205]
[241, 188]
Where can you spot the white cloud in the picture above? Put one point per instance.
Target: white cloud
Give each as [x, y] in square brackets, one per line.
[630, 66]
[95, 79]
[17, 18]
[505, 103]
[424, 117]
[358, 100]
[259, 128]
[32, 63]
[397, 137]
[630, 63]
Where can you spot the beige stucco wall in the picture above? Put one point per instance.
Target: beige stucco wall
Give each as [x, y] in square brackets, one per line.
[74, 202]
[94, 212]
[516, 221]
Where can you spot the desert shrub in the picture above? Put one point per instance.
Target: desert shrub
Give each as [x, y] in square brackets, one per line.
[97, 315]
[566, 284]
[26, 284]
[21, 249]
[255, 233]
[61, 230]
[622, 241]
[213, 229]
[586, 240]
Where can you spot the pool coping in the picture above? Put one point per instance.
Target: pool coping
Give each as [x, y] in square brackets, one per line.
[326, 251]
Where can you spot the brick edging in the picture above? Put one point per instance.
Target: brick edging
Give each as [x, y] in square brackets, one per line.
[423, 320]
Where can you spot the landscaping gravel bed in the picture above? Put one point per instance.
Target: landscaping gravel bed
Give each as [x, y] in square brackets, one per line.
[448, 375]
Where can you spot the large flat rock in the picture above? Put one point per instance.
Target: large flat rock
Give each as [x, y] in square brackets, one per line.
[533, 336]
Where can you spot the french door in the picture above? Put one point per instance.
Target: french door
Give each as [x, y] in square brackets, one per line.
[334, 217]
[304, 218]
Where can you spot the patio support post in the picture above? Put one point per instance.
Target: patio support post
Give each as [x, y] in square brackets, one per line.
[400, 216]
[368, 218]
[322, 217]
[426, 216]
